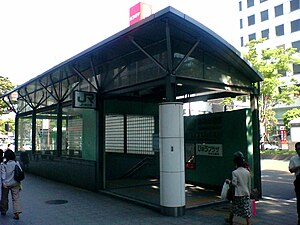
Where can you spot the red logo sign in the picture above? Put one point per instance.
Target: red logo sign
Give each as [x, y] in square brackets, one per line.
[139, 12]
[135, 14]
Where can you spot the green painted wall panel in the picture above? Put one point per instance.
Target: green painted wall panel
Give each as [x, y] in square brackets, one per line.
[233, 130]
[89, 134]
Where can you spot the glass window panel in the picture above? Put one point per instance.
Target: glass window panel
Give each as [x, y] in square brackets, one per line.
[296, 45]
[251, 20]
[73, 135]
[46, 132]
[296, 67]
[278, 10]
[25, 134]
[279, 30]
[294, 5]
[250, 3]
[192, 67]
[242, 41]
[240, 6]
[264, 15]
[252, 37]
[241, 23]
[295, 25]
[265, 33]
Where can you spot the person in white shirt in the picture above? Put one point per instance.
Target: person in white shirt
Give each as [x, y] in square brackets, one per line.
[10, 184]
[241, 180]
[294, 167]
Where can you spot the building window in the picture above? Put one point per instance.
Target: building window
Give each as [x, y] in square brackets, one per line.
[278, 10]
[240, 6]
[242, 41]
[264, 15]
[251, 20]
[295, 25]
[296, 67]
[24, 133]
[261, 1]
[250, 3]
[279, 30]
[252, 37]
[241, 23]
[294, 5]
[46, 130]
[265, 34]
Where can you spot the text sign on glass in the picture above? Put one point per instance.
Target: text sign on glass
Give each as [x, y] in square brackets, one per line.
[82, 99]
[209, 149]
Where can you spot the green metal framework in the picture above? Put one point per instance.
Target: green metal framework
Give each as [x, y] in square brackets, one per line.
[166, 57]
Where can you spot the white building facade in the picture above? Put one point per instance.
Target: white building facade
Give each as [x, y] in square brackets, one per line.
[279, 22]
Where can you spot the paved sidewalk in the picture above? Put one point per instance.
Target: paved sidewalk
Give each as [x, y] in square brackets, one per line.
[50, 203]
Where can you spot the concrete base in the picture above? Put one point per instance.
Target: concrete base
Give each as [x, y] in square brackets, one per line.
[172, 211]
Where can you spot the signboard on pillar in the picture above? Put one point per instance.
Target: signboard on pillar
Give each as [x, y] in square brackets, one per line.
[283, 135]
[138, 12]
[83, 99]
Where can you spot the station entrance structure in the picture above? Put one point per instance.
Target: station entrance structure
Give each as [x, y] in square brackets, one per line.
[114, 112]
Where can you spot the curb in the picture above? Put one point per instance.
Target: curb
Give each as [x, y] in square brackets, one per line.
[276, 157]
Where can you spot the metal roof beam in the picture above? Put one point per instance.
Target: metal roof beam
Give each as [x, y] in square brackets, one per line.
[148, 55]
[83, 77]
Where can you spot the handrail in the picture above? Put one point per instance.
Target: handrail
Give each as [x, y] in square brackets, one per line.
[136, 167]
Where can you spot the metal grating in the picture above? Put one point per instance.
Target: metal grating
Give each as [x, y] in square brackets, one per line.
[114, 133]
[139, 134]
[134, 138]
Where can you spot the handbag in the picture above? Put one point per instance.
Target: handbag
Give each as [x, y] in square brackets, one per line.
[230, 192]
[224, 191]
[18, 173]
[253, 207]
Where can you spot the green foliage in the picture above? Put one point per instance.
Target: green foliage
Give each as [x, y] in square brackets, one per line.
[290, 115]
[272, 64]
[11, 123]
[5, 86]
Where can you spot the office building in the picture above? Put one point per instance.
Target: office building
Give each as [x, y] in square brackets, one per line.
[279, 22]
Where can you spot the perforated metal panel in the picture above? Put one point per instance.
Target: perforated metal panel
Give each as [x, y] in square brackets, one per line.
[139, 134]
[114, 133]
[130, 134]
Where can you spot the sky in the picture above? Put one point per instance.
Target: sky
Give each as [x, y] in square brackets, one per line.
[36, 35]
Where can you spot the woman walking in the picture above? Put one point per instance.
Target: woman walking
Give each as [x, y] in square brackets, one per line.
[10, 184]
[241, 180]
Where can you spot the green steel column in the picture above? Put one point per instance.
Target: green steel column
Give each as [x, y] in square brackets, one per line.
[170, 78]
[256, 139]
[59, 130]
[33, 131]
[17, 132]
[101, 162]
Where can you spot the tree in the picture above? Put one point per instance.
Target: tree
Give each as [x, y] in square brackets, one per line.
[290, 115]
[11, 125]
[5, 86]
[272, 64]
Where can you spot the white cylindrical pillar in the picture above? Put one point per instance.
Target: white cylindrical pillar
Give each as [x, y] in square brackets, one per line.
[172, 174]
